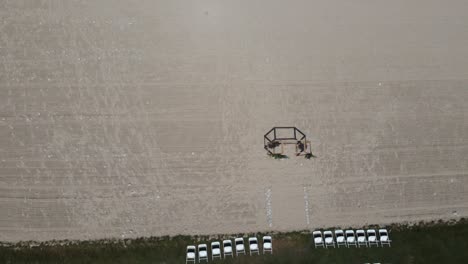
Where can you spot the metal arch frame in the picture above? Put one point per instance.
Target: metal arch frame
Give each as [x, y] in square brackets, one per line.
[266, 138]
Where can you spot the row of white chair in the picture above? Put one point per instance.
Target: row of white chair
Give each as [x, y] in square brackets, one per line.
[227, 249]
[350, 238]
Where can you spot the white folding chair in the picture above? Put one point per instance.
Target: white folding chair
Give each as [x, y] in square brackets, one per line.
[202, 252]
[253, 246]
[361, 238]
[372, 237]
[350, 238]
[215, 250]
[384, 238]
[340, 238]
[318, 239]
[240, 248]
[227, 248]
[267, 244]
[190, 256]
[328, 237]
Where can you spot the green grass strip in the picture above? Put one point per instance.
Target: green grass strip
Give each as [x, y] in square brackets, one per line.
[425, 243]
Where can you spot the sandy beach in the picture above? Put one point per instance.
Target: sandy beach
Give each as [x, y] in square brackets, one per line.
[122, 120]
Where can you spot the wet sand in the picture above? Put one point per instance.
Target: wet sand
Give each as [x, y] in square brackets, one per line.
[147, 119]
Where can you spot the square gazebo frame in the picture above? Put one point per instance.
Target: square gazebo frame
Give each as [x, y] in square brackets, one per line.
[297, 136]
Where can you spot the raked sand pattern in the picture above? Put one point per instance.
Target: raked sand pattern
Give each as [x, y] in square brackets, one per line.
[122, 119]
